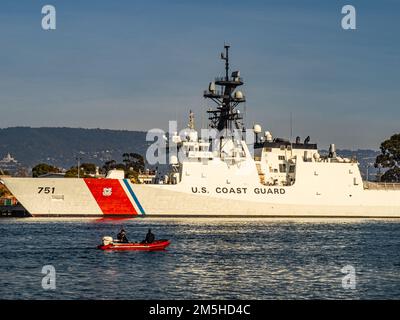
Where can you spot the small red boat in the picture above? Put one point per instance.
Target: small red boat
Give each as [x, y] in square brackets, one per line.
[109, 244]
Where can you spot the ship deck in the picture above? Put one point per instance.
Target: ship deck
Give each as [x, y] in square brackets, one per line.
[368, 185]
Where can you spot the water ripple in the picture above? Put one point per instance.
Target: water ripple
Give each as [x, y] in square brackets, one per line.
[208, 259]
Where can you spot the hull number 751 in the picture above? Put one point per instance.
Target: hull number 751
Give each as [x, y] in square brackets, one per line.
[46, 190]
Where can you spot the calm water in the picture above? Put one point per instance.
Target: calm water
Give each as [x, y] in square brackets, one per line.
[208, 259]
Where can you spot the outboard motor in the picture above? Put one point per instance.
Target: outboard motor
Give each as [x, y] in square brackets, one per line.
[107, 240]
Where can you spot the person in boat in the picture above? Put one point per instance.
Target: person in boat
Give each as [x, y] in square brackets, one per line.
[121, 236]
[149, 237]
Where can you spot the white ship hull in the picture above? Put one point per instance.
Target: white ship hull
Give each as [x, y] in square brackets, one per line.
[111, 197]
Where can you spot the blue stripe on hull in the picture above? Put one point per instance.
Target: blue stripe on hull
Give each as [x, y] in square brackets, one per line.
[128, 186]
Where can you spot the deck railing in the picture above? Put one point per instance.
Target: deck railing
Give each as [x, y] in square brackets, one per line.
[381, 185]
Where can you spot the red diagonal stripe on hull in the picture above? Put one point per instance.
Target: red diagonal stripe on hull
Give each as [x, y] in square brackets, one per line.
[115, 201]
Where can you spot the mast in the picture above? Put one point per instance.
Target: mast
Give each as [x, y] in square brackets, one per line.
[191, 120]
[225, 115]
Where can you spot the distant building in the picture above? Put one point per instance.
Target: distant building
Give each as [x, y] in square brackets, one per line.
[147, 177]
[8, 201]
[6, 198]
[53, 175]
[9, 164]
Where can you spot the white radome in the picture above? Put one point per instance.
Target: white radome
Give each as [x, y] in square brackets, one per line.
[257, 128]
[238, 95]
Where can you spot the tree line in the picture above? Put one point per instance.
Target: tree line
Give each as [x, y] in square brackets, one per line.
[389, 159]
[132, 164]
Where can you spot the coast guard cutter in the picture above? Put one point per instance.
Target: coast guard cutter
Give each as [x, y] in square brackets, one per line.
[224, 176]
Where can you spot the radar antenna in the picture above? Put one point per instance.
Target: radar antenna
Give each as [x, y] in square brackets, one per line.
[225, 115]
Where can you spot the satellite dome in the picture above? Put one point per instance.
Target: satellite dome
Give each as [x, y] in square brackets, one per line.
[257, 128]
[238, 95]
[268, 136]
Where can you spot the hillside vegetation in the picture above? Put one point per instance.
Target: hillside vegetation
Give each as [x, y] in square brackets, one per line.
[61, 146]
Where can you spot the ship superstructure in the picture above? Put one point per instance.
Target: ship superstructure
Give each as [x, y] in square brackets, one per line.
[223, 175]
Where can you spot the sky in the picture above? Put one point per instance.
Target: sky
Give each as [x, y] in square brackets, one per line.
[136, 65]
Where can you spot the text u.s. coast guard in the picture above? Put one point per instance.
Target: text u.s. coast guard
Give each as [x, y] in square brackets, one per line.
[240, 190]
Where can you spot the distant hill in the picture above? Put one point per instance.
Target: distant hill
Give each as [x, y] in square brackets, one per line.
[61, 146]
